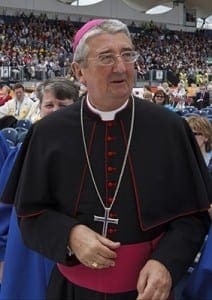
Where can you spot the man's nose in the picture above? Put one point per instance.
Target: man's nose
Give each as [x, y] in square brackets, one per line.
[119, 65]
[55, 108]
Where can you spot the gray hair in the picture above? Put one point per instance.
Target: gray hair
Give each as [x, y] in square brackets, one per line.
[62, 89]
[110, 26]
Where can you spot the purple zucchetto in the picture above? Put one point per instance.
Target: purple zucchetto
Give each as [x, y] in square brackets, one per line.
[84, 29]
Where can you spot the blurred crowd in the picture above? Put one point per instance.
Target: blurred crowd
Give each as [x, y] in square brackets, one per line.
[35, 45]
[183, 53]
[38, 46]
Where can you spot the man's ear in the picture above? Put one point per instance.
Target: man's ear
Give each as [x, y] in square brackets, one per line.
[77, 70]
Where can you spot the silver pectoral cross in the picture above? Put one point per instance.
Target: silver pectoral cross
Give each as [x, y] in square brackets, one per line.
[106, 220]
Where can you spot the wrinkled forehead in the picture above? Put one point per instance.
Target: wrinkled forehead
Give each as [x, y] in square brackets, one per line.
[106, 41]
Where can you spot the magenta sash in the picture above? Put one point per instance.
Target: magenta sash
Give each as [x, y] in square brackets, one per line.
[121, 278]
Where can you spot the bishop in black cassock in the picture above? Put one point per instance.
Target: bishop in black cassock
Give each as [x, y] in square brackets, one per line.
[163, 197]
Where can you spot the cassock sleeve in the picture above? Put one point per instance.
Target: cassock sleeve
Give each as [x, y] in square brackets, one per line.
[33, 182]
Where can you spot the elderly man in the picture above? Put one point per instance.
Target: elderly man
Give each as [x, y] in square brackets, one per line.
[111, 188]
[19, 106]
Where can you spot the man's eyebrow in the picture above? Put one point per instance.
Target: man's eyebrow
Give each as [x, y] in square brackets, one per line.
[126, 48]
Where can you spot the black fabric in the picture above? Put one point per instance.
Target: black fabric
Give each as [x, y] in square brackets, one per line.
[8, 121]
[186, 177]
[165, 180]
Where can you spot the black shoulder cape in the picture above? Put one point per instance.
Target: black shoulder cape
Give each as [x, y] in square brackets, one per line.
[171, 178]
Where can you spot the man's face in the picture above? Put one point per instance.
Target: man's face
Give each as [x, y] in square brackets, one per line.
[50, 104]
[19, 94]
[109, 86]
[5, 90]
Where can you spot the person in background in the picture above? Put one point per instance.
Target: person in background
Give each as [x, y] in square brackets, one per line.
[180, 91]
[147, 95]
[5, 95]
[209, 89]
[34, 94]
[54, 95]
[166, 88]
[92, 197]
[198, 284]
[202, 129]
[57, 93]
[19, 106]
[178, 96]
[34, 113]
[160, 97]
[202, 98]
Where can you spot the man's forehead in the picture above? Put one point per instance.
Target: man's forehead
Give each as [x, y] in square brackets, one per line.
[105, 41]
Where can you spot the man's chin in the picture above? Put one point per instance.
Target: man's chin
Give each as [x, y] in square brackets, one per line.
[122, 93]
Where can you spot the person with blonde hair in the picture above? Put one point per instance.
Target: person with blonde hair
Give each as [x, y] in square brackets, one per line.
[147, 95]
[202, 129]
[197, 285]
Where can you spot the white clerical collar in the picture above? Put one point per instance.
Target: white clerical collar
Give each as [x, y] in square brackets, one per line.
[105, 115]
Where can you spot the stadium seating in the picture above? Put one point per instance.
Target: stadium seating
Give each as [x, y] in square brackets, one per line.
[11, 136]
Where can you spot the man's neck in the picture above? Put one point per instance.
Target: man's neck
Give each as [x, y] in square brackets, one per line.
[105, 115]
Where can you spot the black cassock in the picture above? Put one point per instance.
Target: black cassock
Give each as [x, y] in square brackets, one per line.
[165, 187]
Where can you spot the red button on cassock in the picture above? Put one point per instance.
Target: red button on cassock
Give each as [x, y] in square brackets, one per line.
[109, 200]
[110, 169]
[112, 230]
[110, 124]
[113, 215]
[110, 184]
[111, 153]
[111, 138]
